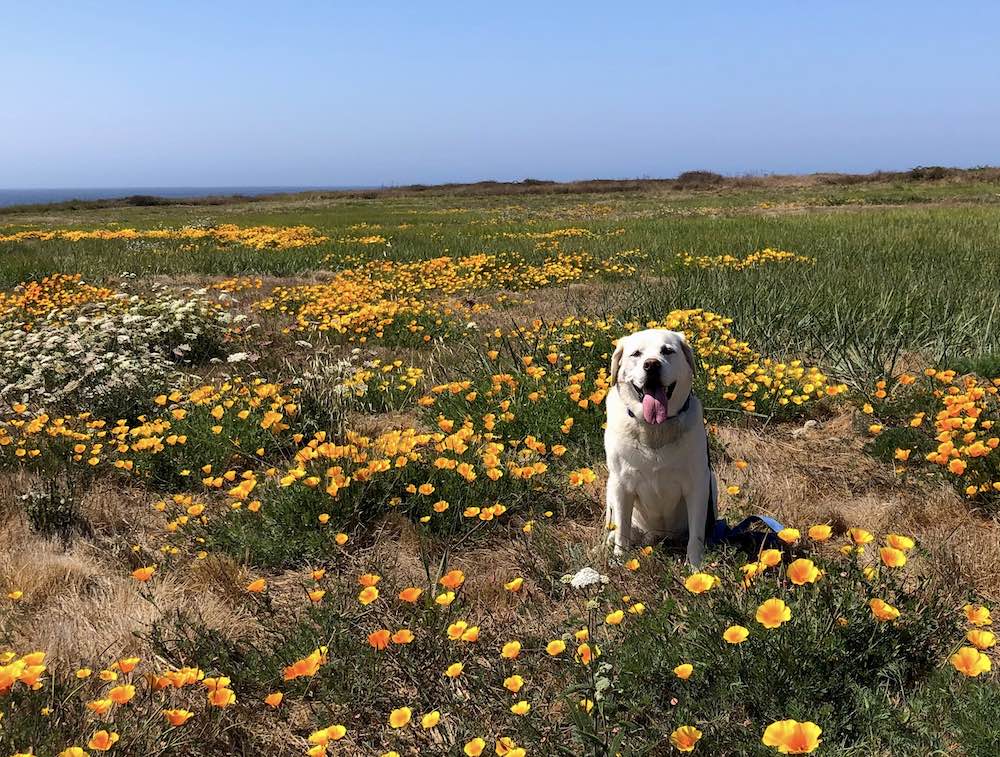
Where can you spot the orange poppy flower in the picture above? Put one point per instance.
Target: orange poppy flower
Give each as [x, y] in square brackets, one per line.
[307, 666]
[860, 537]
[892, 557]
[430, 720]
[474, 748]
[789, 535]
[685, 738]
[820, 533]
[379, 639]
[410, 594]
[177, 717]
[400, 718]
[128, 664]
[513, 683]
[102, 740]
[770, 557]
[736, 634]
[700, 582]
[773, 613]
[971, 662]
[792, 737]
[802, 572]
[221, 697]
[452, 579]
[897, 541]
[882, 610]
[122, 694]
[511, 650]
[981, 639]
[978, 615]
[100, 706]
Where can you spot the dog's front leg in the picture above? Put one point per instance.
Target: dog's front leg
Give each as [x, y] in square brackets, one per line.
[696, 499]
[618, 515]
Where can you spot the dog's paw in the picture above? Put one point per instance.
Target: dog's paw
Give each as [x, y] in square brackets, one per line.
[615, 543]
[695, 556]
[616, 553]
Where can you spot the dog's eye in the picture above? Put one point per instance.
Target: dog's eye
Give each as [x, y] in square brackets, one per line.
[637, 353]
[667, 349]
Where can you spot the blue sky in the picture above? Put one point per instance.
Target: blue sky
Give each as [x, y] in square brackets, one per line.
[369, 93]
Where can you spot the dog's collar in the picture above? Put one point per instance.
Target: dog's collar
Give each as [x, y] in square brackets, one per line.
[684, 407]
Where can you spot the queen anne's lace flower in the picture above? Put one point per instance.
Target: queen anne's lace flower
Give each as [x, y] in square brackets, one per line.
[87, 354]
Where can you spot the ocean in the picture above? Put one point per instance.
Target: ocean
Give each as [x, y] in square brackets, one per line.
[34, 196]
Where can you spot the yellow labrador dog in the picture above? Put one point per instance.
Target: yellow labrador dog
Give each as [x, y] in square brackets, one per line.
[660, 484]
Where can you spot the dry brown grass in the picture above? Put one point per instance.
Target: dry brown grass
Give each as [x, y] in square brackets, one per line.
[80, 603]
[820, 474]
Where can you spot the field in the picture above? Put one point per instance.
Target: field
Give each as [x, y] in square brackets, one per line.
[323, 474]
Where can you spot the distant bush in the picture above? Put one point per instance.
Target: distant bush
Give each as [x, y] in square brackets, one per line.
[929, 173]
[145, 200]
[698, 180]
[844, 179]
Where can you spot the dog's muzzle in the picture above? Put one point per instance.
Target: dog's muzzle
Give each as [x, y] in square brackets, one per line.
[652, 384]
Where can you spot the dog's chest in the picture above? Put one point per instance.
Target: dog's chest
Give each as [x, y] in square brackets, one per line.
[647, 465]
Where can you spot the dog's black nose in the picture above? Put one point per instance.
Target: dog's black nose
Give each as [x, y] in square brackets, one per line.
[651, 364]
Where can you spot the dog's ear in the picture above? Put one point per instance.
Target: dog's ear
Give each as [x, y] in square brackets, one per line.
[684, 383]
[688, 354]
[616, 359]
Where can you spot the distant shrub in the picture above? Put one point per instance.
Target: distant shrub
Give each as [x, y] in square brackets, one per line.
[843, 179]
[145, 200]
[698, 180]
[929, 173]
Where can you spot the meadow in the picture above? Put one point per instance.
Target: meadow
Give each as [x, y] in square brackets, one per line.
[322, 474]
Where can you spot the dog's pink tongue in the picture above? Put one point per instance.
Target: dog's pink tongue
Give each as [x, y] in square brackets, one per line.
[654, 406]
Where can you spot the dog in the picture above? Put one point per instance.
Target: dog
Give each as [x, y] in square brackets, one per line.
[660, 482]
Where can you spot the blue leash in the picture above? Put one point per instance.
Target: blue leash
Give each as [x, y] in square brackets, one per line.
[744, 532]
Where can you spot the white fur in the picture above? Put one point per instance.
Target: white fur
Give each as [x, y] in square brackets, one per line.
[659, 479]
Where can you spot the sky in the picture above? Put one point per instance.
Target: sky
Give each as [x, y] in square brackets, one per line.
[118, 94]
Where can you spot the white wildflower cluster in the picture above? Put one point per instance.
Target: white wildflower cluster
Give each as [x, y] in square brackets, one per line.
[584, 577]
[91, 354]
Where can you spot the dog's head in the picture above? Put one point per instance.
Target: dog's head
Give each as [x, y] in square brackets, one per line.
[654, 369]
